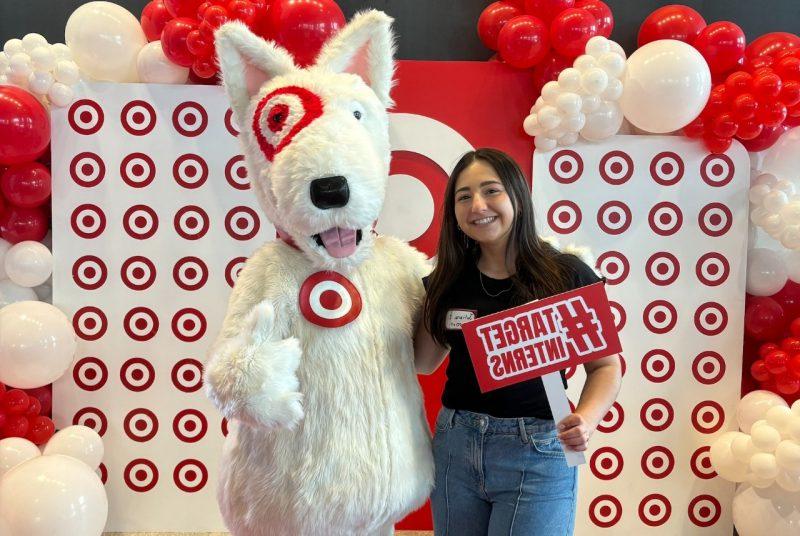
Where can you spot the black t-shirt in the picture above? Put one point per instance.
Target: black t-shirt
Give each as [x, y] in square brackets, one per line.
[461, 391]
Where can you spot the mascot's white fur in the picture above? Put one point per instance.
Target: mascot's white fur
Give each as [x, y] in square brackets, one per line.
[314, 362]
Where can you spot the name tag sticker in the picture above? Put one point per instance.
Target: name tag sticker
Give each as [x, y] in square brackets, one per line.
[458, 317]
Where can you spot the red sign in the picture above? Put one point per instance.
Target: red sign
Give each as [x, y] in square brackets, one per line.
[543, 336]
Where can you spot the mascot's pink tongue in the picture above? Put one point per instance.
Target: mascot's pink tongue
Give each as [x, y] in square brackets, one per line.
[339, 242]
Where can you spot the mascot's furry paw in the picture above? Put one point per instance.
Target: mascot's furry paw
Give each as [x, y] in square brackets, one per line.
[254, 378]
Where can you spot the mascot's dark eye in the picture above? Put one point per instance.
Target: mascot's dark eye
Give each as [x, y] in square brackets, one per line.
[277, 117]
[357, 115]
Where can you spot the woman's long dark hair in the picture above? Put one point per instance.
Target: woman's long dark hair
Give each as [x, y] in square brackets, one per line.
[537, 272]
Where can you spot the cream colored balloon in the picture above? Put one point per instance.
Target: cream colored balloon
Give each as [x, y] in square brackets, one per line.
[77, 441]
[155, 68]
[105, 40]
[14, 451]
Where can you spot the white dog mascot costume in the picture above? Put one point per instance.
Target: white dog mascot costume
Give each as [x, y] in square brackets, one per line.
[314, 363]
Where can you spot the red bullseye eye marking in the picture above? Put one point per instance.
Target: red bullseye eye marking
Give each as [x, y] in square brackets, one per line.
[276, 121]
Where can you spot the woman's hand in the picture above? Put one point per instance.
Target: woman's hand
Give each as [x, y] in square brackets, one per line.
[574, 432]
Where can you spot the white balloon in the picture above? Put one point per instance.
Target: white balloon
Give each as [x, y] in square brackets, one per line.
[754, 406]
[775, 200]
[613, 91]
[44, 292]
[549, 117]
[544, 144]
[531, 125]
[4, 63]
[568, 139]
[61, 51]
[28, 263]
[43, 58]
[723, 460]
[13, 46]
[10, 292]
[796, 407]
[37, 344]
[105, 40]
[20, 65]
[53, 496]
[788, 455]
[67, 72]
[590, 103]
[32, 41]
[574, 123]
[617, 49]
[742, 448]
[603, 122]
[14, 451]
[60, 95]
[569, 103]
[612, 64]
[764, 466]
[584, 62]
[77, 441]
[785, 186]
[788, 481]
[765, 437]
[4, 247]
[761, 483]
[594, 81]
[550, 91]
[40, 82]
[569, 79]
[757, 193]
[154, 67]
[667, 84]
[597, 46]
[789, 235]
[758, 513]
[767, 178]
[779, 417]
[766, 272]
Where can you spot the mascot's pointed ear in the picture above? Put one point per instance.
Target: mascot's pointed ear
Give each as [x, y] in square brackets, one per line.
[247, 62]
[364, 47]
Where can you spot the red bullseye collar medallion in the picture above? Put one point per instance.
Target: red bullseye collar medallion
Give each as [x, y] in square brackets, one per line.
[329, 300]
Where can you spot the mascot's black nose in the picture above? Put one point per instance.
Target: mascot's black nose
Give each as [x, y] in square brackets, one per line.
[330, 192]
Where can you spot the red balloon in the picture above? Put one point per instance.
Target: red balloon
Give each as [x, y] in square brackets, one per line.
[790, 93]
[26, 185]
[766, 348]
[722, 45]
[492, 20]
[44, 395]
[716, 144]
[173, 41]
[570, 31]
[789, 299]
[547, 10]
[763, 318]
[697, 128]
[24, 126]
[18, 224]
[154, 17]
[14, 402]
[40, 430]
[771, 44]
[15, 426]
[549, 69]
[790, 345]
[776, 361]
[794, 365]
[759, 372]
[765, 140]
[602, 14]
[523, 42]
[671, 22]
[3, 420]
[34, 407]
[787, 384]
[183, 8]
[303, 27]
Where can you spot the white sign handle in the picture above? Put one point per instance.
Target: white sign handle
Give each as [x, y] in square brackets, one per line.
[559, 406]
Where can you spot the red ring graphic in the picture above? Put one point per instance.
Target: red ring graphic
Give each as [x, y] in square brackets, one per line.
[711, 308]
[138, 435]
[192, 131]
[670, 414]
[715, 511]
[79, 175]
[186, 432]
[190, 273]
[96, 419]
[609, 206]
[198, 467]
[701, 464]
[193, 182]
[187, 375]
[185, 315]
[80, 329]
[710, 161]
[140, 475]
[662, 258]
[197, 219]
[622, 265]
[312, 313]
[628, 168]
[73, 121]
[86, 367]
[703, 376]
[663, 513]
[92, 212]
[558, 227]
[128, 122]
[613, 419]
[720, 265]
[726, 219]
[143, 277]
[82, 268]
[147, 335]
[234, 265]
[143, 380]
[664, 373]
[238, 214]
[135, 177]
[613, 511]
[135, 228]
[655, 171]
[670, 210]
[666, 462]
[602, 468]
[705, 407]
[556, 168]
[243, 182]
[620, 314]
[671, 320]
[229, 123]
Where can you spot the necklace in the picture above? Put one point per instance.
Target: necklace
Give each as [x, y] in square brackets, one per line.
[480, 278]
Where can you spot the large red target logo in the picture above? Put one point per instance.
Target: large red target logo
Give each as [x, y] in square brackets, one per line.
[654, 510]
[657, 414]
[187, 375]
[90, 374]
[190, 119]
[662, 268]
[138, 273]
[711, 318]
[701, 463]
[614, 266]
[137, 374]
[708, 417]
[93, 418]
[605, 511]
[712, 269]
[619, 315]
[665, 218]
[717, 170]
[658, 365]
[89, 272]
[704, 510]
[230, 123]
[85, 117]
[87, 169]
[614, 217]
[140, 222]
[658, 462]
[715, 219]
[236, 173]
[566, 166]
[190, 475]
[666, 168]
[190, 273]
[564, 217]
[190, 425]
[190, 171]
[140, 475]
[102, 472]
[233, 269]
[616, 167]
[660, 316]
[137, 170]
[612, 420]
[189, 325]
[140, 425]
[141, 324]
[708, 367]
[88, 221]
[191, 222]
[89, 323]
[242, 223]
[606, 463]
[329, 300]
[138, 118]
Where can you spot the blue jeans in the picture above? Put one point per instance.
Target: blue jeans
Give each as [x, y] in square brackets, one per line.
[500, 477]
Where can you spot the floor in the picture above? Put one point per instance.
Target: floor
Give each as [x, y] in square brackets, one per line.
[398, 533]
